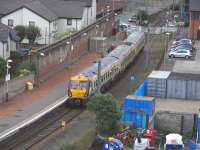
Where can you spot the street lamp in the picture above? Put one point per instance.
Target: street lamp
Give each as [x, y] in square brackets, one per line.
[39, 54]
[97, 26]
[71, 47]
[7, 76]
[166, 48]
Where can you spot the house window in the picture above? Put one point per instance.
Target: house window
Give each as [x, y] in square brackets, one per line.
[10, 22]
[31, 23]
[69, 21]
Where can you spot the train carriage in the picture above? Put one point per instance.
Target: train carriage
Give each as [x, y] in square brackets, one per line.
[86, 83]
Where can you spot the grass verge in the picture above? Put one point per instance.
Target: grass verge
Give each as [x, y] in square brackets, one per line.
[82, 143]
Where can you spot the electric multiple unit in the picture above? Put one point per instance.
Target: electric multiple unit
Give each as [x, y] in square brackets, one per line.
[83, 85]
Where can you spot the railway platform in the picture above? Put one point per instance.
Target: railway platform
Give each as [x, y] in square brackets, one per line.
[31, 105]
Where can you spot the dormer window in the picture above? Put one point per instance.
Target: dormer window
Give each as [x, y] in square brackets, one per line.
[31, 23]
[10, 22]
[69, 21]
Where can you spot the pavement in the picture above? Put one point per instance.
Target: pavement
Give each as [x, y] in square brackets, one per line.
[29, 103]
[175, 105]
[186, 66]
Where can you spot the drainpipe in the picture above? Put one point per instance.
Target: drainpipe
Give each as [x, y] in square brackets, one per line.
[198, 128]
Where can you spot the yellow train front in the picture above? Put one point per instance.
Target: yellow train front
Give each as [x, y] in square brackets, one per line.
[78, 89]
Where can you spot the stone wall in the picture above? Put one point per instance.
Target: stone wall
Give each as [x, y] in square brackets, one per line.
[168, 121]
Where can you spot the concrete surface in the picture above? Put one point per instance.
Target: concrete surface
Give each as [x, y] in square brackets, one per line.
[187, 66]
[187, 106]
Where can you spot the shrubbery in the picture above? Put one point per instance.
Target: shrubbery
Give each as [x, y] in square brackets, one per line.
[107, 112]
[25, 68]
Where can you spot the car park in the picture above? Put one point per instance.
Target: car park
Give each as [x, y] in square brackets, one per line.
[182, 53]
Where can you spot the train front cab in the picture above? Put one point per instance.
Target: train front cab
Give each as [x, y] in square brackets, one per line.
[78, 90]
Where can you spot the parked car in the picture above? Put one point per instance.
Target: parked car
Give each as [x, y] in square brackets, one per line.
[184, 46]
[182, 41]
[183, 53]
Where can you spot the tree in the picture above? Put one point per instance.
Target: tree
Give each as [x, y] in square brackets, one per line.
[142, 16]
[66, 33]
[21, 32]
[2, 67]
[107, 112]
[32, 32]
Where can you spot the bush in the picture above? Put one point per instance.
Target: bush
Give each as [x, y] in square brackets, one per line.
[25, 68]
[142, 16]
[107, 112]
[82, 143]
[186, 24]
[32, 33]
[65, 34]
[2, 67]
[21, 32]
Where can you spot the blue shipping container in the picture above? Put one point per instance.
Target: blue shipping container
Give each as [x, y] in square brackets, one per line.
[136, 109]
[140, 104]
[141, 90]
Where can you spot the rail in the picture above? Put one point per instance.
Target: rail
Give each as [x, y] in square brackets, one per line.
[32, 119]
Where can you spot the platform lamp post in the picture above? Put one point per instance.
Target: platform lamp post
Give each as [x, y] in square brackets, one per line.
[97, 26]
[7, 78]
[39, 54]
[99, 76]
[71, 48]
[166, 49]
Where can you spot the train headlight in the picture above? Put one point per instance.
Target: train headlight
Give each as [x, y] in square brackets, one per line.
[69, 93]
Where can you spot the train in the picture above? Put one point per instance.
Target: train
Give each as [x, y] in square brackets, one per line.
[91, 79]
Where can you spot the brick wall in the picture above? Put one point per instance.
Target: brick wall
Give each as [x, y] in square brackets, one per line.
[193, 27]
[58, 55]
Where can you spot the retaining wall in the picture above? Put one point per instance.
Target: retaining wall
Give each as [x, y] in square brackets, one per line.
[59, 55]
[15, 86]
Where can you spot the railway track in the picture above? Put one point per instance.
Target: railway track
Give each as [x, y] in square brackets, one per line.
[46, 132]
[32, 135]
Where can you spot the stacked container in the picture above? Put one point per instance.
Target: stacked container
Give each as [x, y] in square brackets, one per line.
[183, 86]
[157, 84]
[138, 110]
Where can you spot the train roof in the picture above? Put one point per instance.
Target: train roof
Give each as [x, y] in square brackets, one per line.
[133, 38]
[119, 51]
[90, 71]
[113, 56]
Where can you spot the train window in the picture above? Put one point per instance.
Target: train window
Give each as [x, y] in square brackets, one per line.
[73, 84]
[83, 84]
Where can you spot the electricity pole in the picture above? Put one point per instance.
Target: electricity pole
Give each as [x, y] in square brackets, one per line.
[99, 76]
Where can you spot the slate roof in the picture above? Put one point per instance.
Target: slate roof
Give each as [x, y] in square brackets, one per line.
[194, 5]
[40, 9]
[5, 31]
[48, 9]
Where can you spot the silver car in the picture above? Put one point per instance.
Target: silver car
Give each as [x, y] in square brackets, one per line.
[180, 53]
